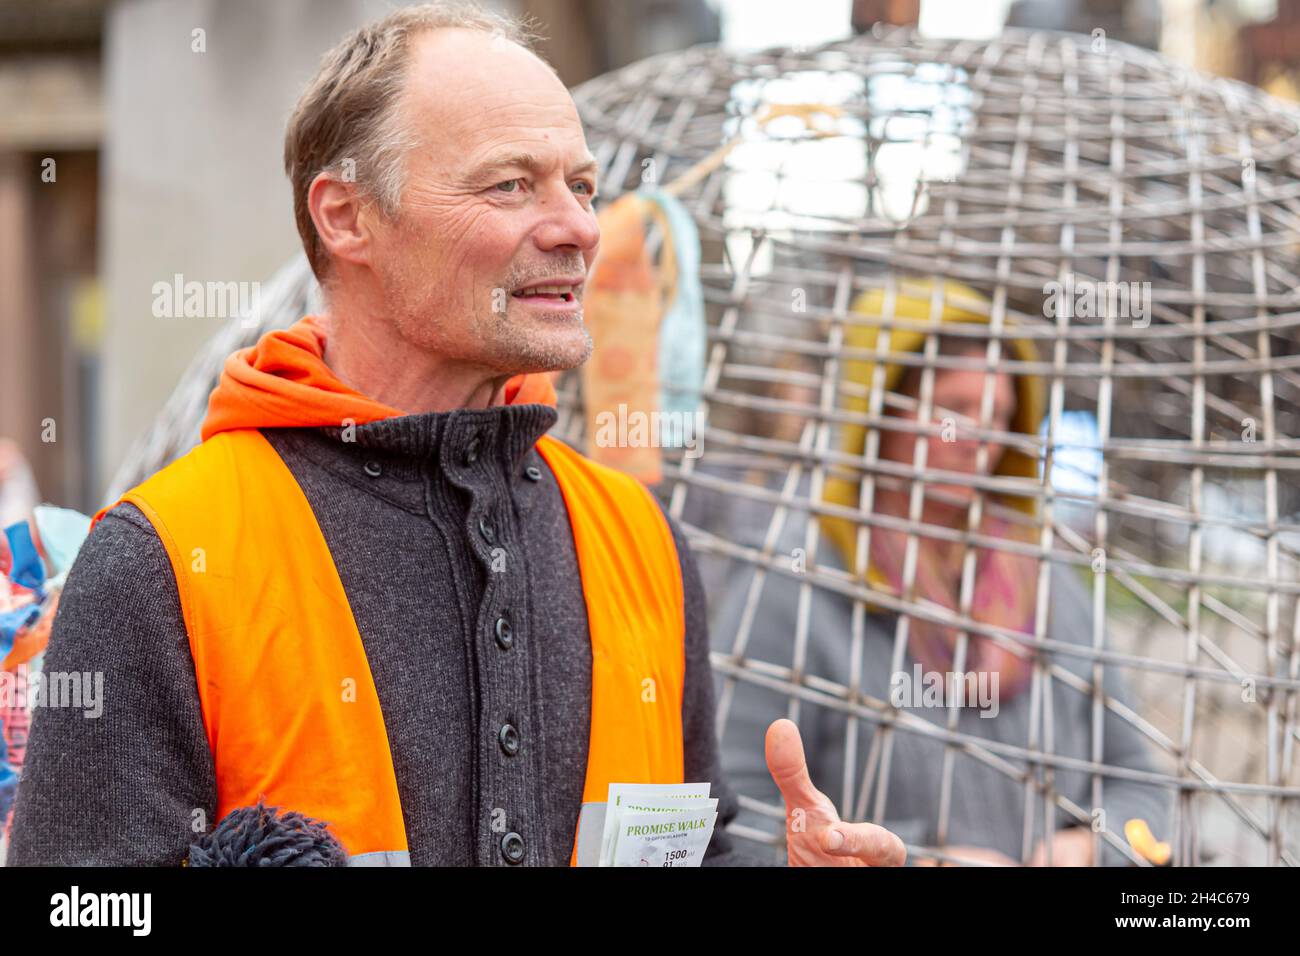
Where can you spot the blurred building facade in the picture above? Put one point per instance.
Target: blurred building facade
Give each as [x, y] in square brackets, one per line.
[51, 133]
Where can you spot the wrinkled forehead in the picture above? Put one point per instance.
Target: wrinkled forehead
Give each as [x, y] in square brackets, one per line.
[468, 92]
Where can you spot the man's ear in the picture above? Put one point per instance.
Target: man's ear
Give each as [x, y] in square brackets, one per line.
[336, 209]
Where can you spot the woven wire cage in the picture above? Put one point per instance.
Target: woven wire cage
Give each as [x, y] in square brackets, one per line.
[1166, 479]
[989, 177]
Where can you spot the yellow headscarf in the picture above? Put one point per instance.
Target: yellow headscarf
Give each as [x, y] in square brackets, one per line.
[914, 303]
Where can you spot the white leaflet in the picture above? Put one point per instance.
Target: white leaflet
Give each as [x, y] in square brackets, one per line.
[640, 793]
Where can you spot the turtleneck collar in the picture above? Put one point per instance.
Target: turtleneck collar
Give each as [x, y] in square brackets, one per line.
[504, 433]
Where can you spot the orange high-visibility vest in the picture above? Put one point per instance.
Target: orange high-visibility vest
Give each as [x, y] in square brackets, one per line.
[289, 705]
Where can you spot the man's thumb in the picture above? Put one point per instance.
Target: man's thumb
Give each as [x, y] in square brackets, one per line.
[786, 764]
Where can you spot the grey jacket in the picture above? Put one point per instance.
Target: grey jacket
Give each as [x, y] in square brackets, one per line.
[400, 509]
[987, 808]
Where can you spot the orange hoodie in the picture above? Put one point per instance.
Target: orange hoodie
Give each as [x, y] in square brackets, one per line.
[283, 382]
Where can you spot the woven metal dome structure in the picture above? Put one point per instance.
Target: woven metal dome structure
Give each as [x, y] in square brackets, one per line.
[1108, 225]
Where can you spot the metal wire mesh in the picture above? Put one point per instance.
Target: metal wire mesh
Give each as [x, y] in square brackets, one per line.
[1166, 448]
[1165, 488]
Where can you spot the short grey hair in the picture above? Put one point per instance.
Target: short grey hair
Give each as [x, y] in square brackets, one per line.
[347, 117]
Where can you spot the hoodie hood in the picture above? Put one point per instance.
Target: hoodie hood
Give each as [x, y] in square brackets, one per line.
[283, 382]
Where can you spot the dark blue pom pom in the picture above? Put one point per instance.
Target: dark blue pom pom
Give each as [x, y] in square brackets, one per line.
[260, 836]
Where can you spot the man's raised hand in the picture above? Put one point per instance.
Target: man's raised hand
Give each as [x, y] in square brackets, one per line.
[815, 834]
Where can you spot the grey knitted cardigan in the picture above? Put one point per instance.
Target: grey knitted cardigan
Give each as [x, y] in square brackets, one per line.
[400, 508]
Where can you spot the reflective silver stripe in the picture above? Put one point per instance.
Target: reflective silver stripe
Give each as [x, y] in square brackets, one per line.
[381, 858]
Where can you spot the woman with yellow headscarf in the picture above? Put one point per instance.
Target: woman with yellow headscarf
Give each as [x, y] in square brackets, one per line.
[987, 816]
[1004, 588]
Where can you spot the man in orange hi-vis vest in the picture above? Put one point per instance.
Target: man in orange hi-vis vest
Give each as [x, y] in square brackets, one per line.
[377, 594]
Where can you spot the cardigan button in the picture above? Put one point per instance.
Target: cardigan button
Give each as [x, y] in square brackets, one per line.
[488, 532]
[373, 470]
[471, 452]
[508, 738]
[533, 472]
[512, 848]
[505, 633]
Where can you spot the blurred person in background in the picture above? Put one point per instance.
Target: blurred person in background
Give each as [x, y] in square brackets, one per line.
[18, 498]
[987, 811]
[18, 494]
